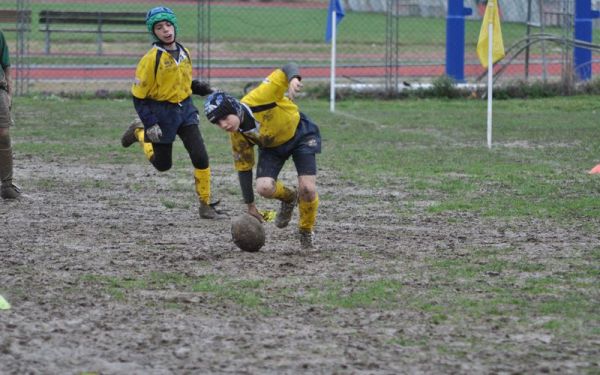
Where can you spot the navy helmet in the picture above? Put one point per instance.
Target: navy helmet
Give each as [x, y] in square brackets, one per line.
[219, 105]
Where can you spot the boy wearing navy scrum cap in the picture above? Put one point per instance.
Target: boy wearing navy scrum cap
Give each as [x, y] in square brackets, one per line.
[267, 118]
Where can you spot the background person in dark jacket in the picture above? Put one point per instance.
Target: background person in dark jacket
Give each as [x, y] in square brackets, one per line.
[8, 190]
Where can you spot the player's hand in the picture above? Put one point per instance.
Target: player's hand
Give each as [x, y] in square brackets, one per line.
[252, 210]
[294, 88]
[154, 133]
[201, 88]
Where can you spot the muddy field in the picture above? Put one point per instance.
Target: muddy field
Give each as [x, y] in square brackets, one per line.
[98, 263]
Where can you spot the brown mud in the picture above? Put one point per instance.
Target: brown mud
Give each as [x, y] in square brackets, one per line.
[81, 226]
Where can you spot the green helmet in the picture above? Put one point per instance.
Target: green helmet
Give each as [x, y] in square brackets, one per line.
[158, 14]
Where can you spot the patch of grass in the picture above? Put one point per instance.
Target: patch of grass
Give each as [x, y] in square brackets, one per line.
[246, 293]
[409, 342]
[569, 306]
[375, 294]
[457, 268]
[365, 254]
[541, 285]
[529, 267]
[243, 292]
[115, 286]
[168, 203]
[93, 183]
[47, 183]
[484, 285]
[154, 280]
[553, 325]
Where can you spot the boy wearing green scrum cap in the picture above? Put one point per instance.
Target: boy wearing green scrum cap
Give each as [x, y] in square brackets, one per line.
[162, 99]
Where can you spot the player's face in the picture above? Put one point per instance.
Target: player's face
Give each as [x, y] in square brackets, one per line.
[165, 31]
[231, 123]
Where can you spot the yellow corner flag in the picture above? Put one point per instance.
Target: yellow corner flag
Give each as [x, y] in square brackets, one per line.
[491, 16]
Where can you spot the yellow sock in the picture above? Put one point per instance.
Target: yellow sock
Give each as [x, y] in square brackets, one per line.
[146, 146]
[202, 180]
[139, 134]
[308, 214]
[283, 193]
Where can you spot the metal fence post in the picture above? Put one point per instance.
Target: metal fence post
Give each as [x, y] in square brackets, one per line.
[21, 84]
[391, 47]
[202, 63]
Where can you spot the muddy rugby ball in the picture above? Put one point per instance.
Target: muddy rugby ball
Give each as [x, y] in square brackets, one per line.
[247, 232]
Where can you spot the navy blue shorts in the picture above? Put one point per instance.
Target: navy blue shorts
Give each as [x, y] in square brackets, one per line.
[173, 116]
[302, 148]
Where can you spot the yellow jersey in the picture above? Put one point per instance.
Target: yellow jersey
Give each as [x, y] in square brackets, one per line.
[171, 81]
[276, 115]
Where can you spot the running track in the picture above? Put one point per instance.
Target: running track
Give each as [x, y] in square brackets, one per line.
[413, 71]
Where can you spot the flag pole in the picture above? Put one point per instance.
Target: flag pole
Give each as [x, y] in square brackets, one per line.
[333, 58]
[490, 78]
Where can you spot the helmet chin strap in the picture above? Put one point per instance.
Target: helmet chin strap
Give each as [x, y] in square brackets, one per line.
[247, 122]
[243, 117]
[161, 42]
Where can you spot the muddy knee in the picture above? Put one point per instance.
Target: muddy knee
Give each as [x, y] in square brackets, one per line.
[307, 193]
[265, 187]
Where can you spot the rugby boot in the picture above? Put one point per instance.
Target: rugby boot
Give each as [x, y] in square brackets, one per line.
[285, 211]
[307, 238]
[129, 137]
[209, 211]
[11, 191]
[8, 190]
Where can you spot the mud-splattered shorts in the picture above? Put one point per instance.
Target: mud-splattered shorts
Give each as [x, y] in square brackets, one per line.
[173, 116]
[302, 148]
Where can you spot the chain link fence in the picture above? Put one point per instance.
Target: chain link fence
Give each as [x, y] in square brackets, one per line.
[236, 42]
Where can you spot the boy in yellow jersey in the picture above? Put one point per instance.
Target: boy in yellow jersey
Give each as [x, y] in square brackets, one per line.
[269, 119]
[162, 99]
[8, 190]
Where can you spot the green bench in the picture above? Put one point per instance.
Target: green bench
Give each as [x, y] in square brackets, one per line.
[100, 23]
